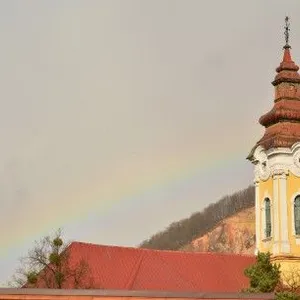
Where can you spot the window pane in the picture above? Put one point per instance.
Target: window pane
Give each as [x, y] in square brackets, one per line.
[268, 217]
[297, 214]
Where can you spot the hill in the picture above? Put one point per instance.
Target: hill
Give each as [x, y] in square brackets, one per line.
[235, 234]
[225, 226]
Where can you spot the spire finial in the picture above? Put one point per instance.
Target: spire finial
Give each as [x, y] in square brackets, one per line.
[286, 32]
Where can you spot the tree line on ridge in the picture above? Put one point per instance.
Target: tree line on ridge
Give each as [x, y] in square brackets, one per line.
[181, 233]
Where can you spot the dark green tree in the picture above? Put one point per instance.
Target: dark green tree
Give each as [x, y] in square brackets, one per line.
[287, 295]
[264, 276]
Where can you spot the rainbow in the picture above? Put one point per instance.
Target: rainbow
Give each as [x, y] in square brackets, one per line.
[126, 194]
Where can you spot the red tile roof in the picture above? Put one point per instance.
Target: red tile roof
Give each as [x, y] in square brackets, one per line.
[113, 267]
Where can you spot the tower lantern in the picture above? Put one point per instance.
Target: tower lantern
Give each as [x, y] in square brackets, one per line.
[276, 160]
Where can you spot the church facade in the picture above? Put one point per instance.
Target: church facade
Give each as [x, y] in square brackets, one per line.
[276, 160]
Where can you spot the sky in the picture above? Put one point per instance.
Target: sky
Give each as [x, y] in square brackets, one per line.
[120, 117]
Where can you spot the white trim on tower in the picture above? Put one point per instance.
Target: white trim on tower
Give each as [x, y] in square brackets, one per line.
[257, 218]
[275, 215]
[285, 244]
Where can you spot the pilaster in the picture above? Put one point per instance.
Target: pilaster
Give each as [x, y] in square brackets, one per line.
[257, 217]
[275, 214]
[283, 217]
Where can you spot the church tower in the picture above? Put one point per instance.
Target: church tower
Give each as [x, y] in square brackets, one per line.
[276, 160]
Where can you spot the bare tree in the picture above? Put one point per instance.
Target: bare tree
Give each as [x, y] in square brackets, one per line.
[291, 280]
[48, 265]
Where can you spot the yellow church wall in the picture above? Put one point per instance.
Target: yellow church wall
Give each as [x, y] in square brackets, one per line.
[293, 189]
[265, 190]
[289, 267]
[289, 263]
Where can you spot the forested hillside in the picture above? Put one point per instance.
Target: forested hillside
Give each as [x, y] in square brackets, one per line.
[180, 234]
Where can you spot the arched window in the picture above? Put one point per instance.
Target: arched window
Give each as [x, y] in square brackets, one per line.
[268, 217]
[297, 214]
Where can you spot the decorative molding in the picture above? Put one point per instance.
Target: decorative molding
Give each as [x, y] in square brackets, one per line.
[261, 170]
[276, 162]
[279, 172]
[284, 258]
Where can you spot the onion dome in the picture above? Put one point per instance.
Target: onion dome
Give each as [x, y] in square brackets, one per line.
[282, 122]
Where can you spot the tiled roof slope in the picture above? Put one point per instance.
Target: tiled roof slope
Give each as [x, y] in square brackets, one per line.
[113, 267]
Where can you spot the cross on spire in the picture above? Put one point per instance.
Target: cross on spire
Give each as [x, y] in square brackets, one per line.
[286, 32]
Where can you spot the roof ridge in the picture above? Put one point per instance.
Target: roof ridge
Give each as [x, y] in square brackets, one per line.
[165, 251]
[135, 271]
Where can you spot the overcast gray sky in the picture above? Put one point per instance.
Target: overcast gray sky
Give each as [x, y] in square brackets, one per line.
[120, 117]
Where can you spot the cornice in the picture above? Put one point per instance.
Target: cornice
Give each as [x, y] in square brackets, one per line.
[276, 162]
